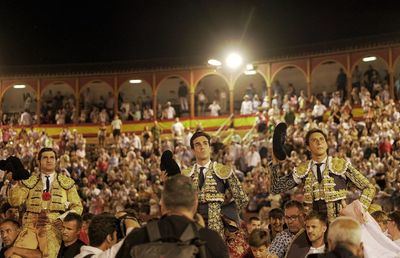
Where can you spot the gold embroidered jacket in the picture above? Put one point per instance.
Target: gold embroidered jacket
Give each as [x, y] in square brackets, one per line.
[213, 193]
[64, 195]
[334, 183]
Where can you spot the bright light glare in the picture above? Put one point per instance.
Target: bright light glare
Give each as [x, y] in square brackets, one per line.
[234, 61]
[249, 67]
[369, 58]
[250, 72]
[19, 86]
[135, 81]
[214, 62]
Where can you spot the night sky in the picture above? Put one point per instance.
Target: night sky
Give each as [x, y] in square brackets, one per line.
[57, 32]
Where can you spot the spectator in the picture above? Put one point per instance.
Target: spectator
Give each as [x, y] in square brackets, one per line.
[276, 222]
[259, 241]
[169, 111]
[214, 108]
[9, 231]
[394, 226]
[71, 244]
[294, 218]
[316, 226]
[103, 237]
[182, 94]
[254, 223]
[178, 206]
[116, 128]
[247, 106]
[344, 239]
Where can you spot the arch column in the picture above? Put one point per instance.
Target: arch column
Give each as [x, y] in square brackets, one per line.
[349, 86]
[39, 101]
[154, 90]
[78, 98]
[308, 77]
[391, 74]
[115, 96]
[192, 107]
[231, 101]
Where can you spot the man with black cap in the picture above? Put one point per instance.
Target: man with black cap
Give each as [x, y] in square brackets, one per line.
[212, 180]
[325, 178]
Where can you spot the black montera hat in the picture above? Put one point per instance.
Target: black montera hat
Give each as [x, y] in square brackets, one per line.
[168, 164]
[278, 141]
[14, 165]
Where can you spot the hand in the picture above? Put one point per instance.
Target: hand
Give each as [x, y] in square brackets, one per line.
[42, 220]
[163, 176]
[9, 252]
[58, 224]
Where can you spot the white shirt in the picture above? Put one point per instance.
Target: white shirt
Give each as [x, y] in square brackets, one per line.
[116, 124]
[318, 110]
[206, 166]
[247, 107]
[317, 250]
[178, 128]
[253, 159]
[51, 178]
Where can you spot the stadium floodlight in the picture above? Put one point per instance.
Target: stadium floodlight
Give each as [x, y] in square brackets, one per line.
[135, 81]
[214, 62]
[250, 72]
[234, 60]
[369, 58]
[19, 86]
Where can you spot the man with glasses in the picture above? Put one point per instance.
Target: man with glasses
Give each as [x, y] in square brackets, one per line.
[325, 178]
[294, 219]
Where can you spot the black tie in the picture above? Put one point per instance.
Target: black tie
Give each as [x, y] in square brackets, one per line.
[319, 174]
[47, 184]
[201, 177]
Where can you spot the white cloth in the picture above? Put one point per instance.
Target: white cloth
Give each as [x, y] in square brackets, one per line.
[375, 242]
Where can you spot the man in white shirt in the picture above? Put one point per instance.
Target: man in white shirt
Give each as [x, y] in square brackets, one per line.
[316, 226]
[253, 158]
[116, 128]
[103, 243]
[247, 106]
[318, 111]
[169, 111]
[214, 108]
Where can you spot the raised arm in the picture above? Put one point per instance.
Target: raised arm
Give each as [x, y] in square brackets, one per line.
[280, 184]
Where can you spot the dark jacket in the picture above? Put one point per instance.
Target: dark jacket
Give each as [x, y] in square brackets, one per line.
[339, 252]
[172, 227]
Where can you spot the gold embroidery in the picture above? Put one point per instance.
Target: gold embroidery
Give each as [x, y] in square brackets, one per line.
[338, 166]
[222, 171]
[187, 171]
[31, 181]
[65, 182]
[302, 170]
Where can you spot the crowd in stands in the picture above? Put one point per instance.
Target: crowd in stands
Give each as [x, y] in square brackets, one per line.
[122, 172]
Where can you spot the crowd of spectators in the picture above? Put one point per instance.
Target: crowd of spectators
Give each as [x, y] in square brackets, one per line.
[123, 172]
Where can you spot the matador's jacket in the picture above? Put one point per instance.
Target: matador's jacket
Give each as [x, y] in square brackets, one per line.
[218, 180]
[333, 187]
[64, 199]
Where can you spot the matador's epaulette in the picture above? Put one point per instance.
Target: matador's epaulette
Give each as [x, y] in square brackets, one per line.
[338, 166]
[187, 171]
[302, 170]
[222, 171]
[65, 182]
[31, 181]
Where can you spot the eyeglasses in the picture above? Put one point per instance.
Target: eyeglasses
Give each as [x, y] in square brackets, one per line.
[291, 218]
